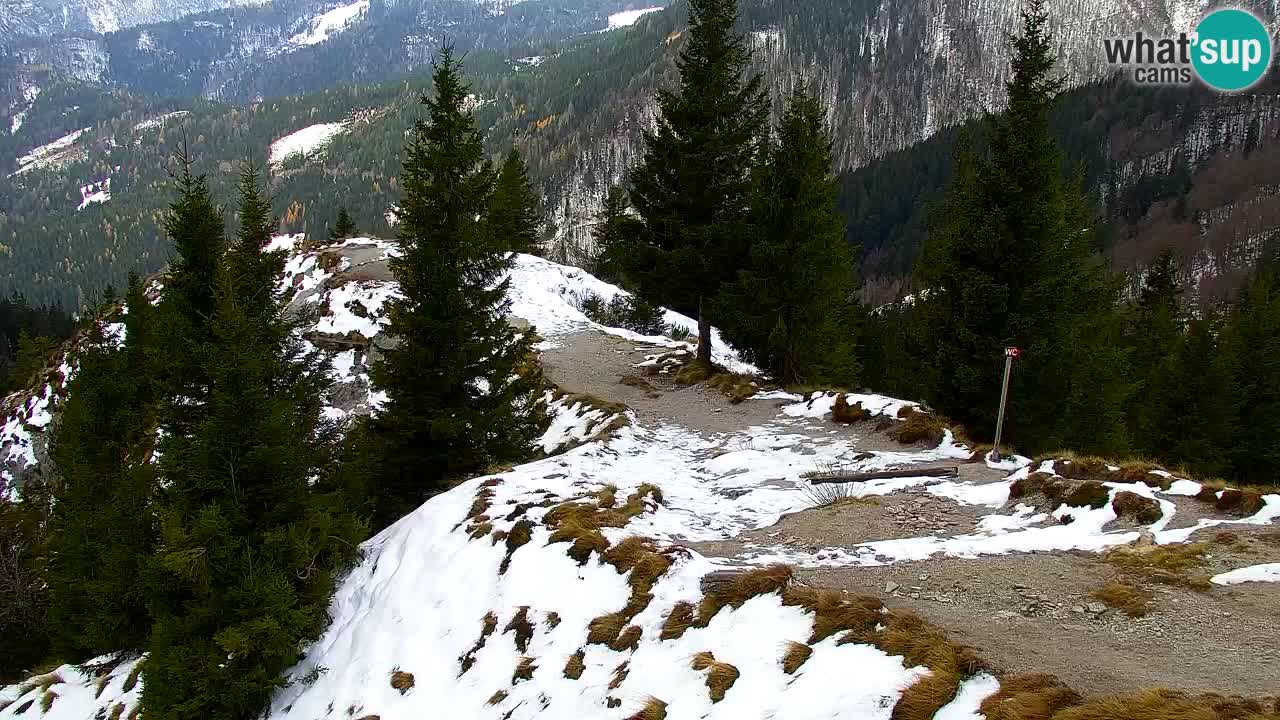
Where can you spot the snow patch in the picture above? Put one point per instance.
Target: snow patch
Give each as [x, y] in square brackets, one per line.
[307, 141]
[160, 120]
[50, 155]
[98, 192]
[1267, 572]
[330, 23]
[629, 17]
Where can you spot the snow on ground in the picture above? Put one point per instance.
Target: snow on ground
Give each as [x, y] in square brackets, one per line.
[51, 154]
[159, 121]
[1267, 572]
[29, 95]
[97, 192]
[330, 23]
[629, 17]
[819, 405]
[78, 693]
[304, 142]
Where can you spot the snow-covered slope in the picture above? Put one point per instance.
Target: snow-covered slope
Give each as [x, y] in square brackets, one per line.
[548, 590]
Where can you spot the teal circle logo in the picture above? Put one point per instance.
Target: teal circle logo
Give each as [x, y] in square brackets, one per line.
[1232, 49]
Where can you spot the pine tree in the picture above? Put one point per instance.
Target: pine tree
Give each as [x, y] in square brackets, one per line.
[251, 536]
[24, 628]
[1156, 334]
[514, 217]
[692, 187]
[456, 401]
[343, 228]
[1252, 342]
[102, 529]
[614, 230]
[1009, 261]
[791, 310]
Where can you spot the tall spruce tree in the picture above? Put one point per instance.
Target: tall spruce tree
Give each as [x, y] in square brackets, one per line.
[791, 310]
[102, 528]
[614, 230]
[1253, 344]
[343, 227]
[455, 399]
[692, 187]
[251, 539]
[1010, 261]
[515, 219]
[1156, 335]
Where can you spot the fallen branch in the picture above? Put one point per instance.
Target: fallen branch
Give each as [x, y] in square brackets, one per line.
[938, 472]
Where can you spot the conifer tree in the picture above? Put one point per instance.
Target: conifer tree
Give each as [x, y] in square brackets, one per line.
[692, 187]
[343, 227]
[251, 535]
[614, 230]
[514, 217]
[1155, 336]
[102, 528]
[1252, 344]
[1010, 261]
[790, 310]
[456, 401]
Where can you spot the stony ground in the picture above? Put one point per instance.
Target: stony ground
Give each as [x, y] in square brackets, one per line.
[1024, 612]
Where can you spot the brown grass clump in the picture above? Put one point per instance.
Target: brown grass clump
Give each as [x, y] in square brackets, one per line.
[678, 620]
[1132, 601]
[1169, 564]
[795, 656]
[480, 530]
[1142, 509]
[1226, 537]
[401, 680]
[1089, 493]
[607, 497]
[735, 386]
[1239, 502]
[553, 620]
[522, 627]
[608, 407]
[834, 612]
[497, 697]
[620, 674]
[524, 670]
[843, 412]
[46, 700]
[487, 626]
[1088, 467]
[924, 697]
[720, 675]
[574, 667]
[517, 537]
[693, 373]
[920, 427]
[604, 630]
[101, 686]
[1029, 696]
[642, 559]
[654, 709]
[43, 682]
[628, 639]
[116, 712]
[579, 523]
[1140, 471]
[747, 585]
[134, 674]
[1039, 483]
[1162, 704]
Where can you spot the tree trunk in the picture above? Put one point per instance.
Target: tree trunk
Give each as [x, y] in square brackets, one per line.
[704, 335]
[939, 472]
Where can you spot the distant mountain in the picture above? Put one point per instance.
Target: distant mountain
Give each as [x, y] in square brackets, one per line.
[44, 18]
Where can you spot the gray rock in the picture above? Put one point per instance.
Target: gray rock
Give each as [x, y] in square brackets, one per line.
[1097, 608]
[891, 587]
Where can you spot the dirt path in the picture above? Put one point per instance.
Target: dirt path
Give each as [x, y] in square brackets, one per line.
[1024, 612]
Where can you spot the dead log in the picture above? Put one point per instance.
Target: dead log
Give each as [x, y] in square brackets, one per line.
[938, 472]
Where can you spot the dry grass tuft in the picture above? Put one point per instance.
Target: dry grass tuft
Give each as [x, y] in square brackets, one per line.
[1087, 467]
[693, 373]
[517, 537]
[43, 682]
[745, 586]
[1132, 601]
[1140, 471]
[579, 523]
[922, 699]
[720, 675]
[834, 612]
[134, 674]
[116, 712]
[628, 639]
[1030, 696]
[795, 656]
[46, 700]
[638, 381]
[608, 407]
[1226, 537]
[553, 620]
[401, 680]
[1239, 502]
[607, 497]
[497, 697]
[654, 709]
[1089, 493]
[1142, 509]
[100, 686]
[1039, 483]
[735, 386]
[574, 667]
[920, 427]
[843, 412]
[620, 675]
[1162, 704]
[604, 630]
[678, 620]
[524, 670]
[479, 530]
[523, 628]
[487, 626]
[1169, 564]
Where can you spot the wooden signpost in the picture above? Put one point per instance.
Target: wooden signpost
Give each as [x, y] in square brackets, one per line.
[1010, 354]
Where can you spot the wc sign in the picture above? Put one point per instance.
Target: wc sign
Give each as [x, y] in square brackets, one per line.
[1230, 50]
